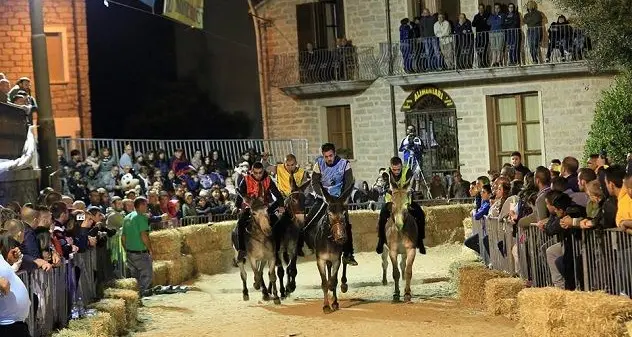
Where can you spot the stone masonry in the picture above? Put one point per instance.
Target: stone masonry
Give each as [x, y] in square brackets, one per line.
[566, 104]
[70, 100]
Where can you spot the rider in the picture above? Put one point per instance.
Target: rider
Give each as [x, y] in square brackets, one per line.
[288, 174]
[331, 176]
[257, 184]
[400, 174]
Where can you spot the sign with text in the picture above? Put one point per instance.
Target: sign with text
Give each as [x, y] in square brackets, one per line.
[189, 12]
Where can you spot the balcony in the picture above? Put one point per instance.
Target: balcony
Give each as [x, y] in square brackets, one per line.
[484, 56]
[324, 72]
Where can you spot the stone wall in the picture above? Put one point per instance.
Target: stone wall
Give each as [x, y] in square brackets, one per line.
[16, 61]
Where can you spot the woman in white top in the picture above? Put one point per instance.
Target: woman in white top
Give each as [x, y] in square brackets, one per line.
[14, 300]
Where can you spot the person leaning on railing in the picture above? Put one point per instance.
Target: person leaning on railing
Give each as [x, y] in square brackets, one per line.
[624, 205]
[14, 299]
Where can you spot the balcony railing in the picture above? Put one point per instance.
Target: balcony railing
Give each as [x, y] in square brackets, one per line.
[501, 49]
[324, 66]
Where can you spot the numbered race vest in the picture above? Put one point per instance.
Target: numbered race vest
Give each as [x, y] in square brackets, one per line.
[283, 179]
[255, 188]
[400, 183]
[332, 177]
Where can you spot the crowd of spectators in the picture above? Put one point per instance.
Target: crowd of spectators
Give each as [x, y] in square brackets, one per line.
[18, 94]
[560, 199]
[493, 38]
[321, 64]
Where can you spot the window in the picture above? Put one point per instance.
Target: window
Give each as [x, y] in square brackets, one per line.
[339, 129]
[57, 53]
[320, 23]
[514, 125]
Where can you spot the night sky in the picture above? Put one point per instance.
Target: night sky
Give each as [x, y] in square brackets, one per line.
[154, 78]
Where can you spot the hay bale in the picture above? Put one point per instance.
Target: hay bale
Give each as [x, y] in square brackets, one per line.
[116, 308]
[467, 227]
[500, 289]
[199, 238]
[551, 311]
[180, 269]
[160, 273]
[131, 303]
[223, 231]
[508, 307]
[364, 221]
[471, 286]
[100, 325]
[444, 224]
[166, 244]
[215, 262]
[125, 283]
[72, 333]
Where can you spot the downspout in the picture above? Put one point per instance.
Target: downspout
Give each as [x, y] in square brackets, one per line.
[261, 70]
[390, 73]
[80, 103]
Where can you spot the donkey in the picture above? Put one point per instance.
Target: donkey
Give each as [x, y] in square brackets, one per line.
[289, 228]
[327, 238]
[260, 250]
[401, 239]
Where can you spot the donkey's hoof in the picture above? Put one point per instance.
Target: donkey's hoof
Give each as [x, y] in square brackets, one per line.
[277, 301]
[290, 288]
[256, 285]
[266, 297]
[408, 297]
[246, 297]
[335, 306]
[396, 298]
[327, 309]
[384, 282]
[344, 287]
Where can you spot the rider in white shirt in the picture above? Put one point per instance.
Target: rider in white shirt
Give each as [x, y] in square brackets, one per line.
[14, 302]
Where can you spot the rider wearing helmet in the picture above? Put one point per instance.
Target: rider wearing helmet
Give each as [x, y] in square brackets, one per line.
[331, 176]
[400, 175]
[257, 184]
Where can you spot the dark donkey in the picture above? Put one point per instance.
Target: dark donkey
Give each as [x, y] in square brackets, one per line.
[288, 230]
[261, 251]
[327, 238]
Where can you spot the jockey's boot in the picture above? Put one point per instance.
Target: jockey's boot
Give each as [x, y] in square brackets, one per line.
[299, 245]
[347, 257]
[381, 229]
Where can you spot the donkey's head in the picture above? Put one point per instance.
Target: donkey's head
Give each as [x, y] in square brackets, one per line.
[400, 201]
[294, 201]
[259, 212]
[336, 207]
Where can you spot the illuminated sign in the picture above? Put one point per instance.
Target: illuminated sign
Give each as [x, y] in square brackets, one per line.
[418, 94]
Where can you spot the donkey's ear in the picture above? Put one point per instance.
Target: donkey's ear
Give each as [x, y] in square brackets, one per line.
[407, 184]
[304, 185]
[346, 193]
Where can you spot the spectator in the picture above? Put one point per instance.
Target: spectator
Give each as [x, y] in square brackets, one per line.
[126, 159]
[560, 33]
[135, 240]
[511, 25]
[481, 26]
[217, 164]
[93, 160]
[432, 52]
[533, 19]
[106, 162]
[30, 248]
[139, 163]
[111, 181]
[14, 300]
[162, 164]
[188, 208]
[179, 163]
[443, 30]
[516, 163]
[624, 204]
[570, 166]
[497, 35]
[464, 42]
[202, 207]
[459, 188]
[543, 182]
[196, 160]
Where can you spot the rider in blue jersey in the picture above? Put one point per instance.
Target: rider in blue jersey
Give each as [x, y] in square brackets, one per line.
[331, 176]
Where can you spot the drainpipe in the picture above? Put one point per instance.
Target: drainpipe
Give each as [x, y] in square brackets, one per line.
[80, 104]
[261, 70]
[390, 73]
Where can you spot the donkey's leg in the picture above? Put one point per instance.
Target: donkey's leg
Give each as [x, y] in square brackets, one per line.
[280, 273]
[273, 280]
[408, 273]
[344, 287]
[392, 253]
[333, 284]
[265, 291]
[244, 277]
[291, 271]
[324, 284]
[384, 266]
[255, 271]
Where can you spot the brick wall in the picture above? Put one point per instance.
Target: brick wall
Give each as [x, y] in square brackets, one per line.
[71, 100]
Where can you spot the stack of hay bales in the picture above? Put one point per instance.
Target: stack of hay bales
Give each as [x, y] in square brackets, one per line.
[160, 273]
[170, 265]
[166, 244]
[555, 312]
[131, 299]
[364, 229]
[210, 247]
[125, 283]
[501, 296]
[471, 286]
[100, 325]
[444, 224]
[116, 309]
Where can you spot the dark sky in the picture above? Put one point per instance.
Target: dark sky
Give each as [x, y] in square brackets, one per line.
[153, 78]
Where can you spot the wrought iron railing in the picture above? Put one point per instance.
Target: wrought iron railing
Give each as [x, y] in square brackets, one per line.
[491, 49]
[324, 65]
[229, 149]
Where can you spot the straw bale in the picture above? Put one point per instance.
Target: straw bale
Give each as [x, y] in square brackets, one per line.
[206, 238]
[126, 283]
[160, 273]
[444, 224]
[500, 289]
[131, 303]
[223, 231]
[180, 269]
[550, 311]
[467, 227]
[72, 333]
[116, 308]
[364, 221]
[215, 262]
[166, 244]
[100, 325]
[471, 286]
[508, 307]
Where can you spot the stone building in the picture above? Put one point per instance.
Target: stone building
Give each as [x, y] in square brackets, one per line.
[472, 113]
[67, 46]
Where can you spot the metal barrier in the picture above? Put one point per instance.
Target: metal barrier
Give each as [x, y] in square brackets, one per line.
[229, 150]
[52, 294]
[501, 241]
[491, 49]
[608, 261]
[324, 65]
[479, 228]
